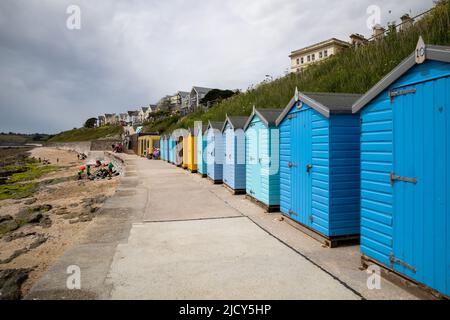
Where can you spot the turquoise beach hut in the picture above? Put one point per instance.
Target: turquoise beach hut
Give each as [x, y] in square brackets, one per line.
[262, 158]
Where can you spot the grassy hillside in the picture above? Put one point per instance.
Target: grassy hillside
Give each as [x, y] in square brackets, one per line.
[87, 134]
[353, 71]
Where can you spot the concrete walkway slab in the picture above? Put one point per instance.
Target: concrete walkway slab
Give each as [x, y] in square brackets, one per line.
[215, 259]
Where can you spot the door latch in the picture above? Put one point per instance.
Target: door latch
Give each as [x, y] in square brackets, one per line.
[291, 165]
[394, 178]
[394, 260]
[292, 213]
[309, 168]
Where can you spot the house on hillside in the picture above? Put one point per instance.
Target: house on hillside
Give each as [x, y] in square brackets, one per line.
[144, 114]
[101, 121]
[123, 119]
[133, 118]
[179, 101]
[196, 95]
[302, 58]
[111, 119]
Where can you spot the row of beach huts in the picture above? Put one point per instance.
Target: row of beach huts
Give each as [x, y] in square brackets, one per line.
[373, 167]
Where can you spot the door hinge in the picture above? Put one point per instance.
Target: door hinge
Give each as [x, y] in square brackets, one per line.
[292, 213]
[394, 260]
[393, 94]
[394, 178]
[311, 218]
[292, 116]
[291, 165]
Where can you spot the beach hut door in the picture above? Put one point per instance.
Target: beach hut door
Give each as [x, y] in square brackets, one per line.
[301, 167]
[419, 182]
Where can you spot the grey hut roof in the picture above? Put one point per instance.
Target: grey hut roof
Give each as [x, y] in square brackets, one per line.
[145, 109]
[436, 53]
[236, 122]
[133, 113]
[215, 125]
[325, 103]
[267, 116]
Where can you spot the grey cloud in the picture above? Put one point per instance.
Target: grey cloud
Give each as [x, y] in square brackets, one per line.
[130, 53]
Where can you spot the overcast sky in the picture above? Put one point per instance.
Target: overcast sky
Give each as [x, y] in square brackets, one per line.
[128, 54]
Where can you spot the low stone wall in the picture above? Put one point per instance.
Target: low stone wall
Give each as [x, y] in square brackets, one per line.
[84, 146]
[103, 145]
[80, 147]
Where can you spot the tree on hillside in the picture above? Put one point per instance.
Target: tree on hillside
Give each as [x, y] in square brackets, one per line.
[90, 123]
[217, 95]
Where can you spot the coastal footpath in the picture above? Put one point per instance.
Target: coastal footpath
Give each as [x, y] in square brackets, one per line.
[168, 234]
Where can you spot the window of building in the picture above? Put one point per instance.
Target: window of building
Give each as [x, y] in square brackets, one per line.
[308, 58]
[313, 56]
[298, 61]
[320, 55]
[303, 60]
[325, 53]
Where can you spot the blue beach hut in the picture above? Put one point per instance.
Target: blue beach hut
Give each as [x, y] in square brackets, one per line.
[215, 152]
[262, 158]
[172, 149]
[166, 148]
[201, 150]
[234, 147]
[405, 175]
[319, 165]
[162, 148]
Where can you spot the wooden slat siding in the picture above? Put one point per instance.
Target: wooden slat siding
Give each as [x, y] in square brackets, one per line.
[210, 154]
[376, 191]
[344, 175]
[219, 157]
[447, 187]
[239, 167]
[201, 145]
[274, 167]
[320, 173]
[250, 145]
[229, 150]
[264, 155]
[285, 158]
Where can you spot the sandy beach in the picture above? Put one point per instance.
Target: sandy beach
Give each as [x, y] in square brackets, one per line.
[68, 207]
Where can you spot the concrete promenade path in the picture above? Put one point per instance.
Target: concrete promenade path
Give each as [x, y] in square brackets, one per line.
[169, 234]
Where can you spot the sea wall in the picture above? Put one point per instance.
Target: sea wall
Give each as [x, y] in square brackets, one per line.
[84, 146]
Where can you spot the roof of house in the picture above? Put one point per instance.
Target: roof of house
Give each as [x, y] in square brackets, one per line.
[436, 53]
[133, 113]
[183, 94]
[237, 122]
[145, 109]
[319, 45]
[325, 103]
[267, 116]
[101, 117]
[202, 90]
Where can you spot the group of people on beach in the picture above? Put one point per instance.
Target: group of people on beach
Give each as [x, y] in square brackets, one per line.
[101, 171]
